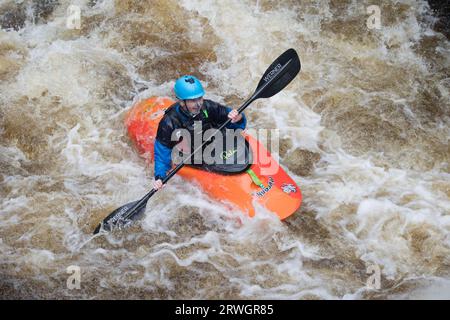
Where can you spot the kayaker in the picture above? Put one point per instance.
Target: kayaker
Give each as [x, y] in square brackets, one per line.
[190, 107]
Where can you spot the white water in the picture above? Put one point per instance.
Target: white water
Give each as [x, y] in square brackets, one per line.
[364, 132]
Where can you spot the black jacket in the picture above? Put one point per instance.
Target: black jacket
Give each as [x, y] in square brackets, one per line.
[212, 115]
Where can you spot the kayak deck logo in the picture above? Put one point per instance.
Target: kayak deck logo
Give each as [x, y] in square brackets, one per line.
[261, 193]
[288, 188]
[226, 154]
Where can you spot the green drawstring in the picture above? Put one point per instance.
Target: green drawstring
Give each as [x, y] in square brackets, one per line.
[205, 112]
[255, 178]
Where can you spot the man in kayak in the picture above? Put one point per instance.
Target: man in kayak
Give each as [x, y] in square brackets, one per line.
[190, 107]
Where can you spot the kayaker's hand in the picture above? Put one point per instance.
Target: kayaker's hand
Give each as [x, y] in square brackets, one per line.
[157, 184]
[234, 116]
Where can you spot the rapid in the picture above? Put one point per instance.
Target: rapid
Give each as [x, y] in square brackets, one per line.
[364, 131]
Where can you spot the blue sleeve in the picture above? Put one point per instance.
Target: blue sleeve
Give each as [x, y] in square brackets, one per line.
[163, 159]
[238, 125]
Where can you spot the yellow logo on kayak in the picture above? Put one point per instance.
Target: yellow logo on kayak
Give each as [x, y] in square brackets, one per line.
[227, 154]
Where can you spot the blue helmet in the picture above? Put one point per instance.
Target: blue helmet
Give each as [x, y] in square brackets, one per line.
[188, 87]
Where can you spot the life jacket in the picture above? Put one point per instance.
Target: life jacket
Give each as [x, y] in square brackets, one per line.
[211, 115]
[183, 120]
[175, 118]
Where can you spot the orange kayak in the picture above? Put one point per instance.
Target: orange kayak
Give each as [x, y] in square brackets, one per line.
[266, 183]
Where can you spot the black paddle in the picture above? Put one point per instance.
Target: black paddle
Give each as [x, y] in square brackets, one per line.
[280, 73]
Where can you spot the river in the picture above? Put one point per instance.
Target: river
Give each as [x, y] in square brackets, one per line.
[364, 132]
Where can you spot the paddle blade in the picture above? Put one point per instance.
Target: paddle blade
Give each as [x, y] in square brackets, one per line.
[122, 216]
[280, 73]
